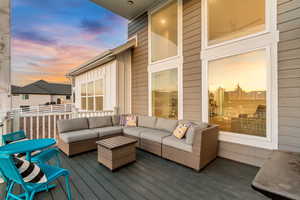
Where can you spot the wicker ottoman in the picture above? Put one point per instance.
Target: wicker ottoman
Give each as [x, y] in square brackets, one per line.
[116, 151]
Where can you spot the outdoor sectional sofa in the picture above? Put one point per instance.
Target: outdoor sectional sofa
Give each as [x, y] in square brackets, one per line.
[197, 149]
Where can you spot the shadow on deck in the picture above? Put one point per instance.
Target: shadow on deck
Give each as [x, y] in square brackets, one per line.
[151, 177]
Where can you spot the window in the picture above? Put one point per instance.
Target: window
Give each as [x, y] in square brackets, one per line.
[92, 95]
[239, 70]
[165, 94]
[164, 34]
[233, 19]
[68, 97]
[25, 96]
[237, 101]
[165, 61]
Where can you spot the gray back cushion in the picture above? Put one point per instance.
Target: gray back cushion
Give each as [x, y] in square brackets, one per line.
[166, 124]
[99, 122]
[146, 121]
[190, 134]
[115, 120]
[66, 125]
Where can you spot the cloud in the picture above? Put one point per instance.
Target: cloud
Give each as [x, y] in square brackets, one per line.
[93, 26]
[35, 37]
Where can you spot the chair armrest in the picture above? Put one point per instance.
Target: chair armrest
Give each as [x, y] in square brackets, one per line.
[206, 140]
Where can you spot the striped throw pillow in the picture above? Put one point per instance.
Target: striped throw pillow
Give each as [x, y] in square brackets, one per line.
[30, 172]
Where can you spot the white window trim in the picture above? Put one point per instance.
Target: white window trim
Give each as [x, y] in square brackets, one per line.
[267, 40]
[174, 62]
[94, 95]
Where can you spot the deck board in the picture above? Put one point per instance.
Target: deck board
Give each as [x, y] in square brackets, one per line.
[152, 177]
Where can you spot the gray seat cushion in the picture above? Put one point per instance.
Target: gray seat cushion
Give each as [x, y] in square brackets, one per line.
[67, 125]
[154, 135]
[146, 121]
[134, 131]
[111, 130]
[99, 122]
[172, 141]
[166, 124]
[75, 136]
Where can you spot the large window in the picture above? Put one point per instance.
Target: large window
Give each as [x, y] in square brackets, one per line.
[164, 36]
[165, 94]
[165, 60]
[231, 19]
[237, 100]
[92, 95]
[239, 70]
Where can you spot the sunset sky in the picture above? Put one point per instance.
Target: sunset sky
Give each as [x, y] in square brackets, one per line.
[50, 37]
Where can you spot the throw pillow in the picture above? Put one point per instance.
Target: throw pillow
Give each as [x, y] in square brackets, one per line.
[131, 120]
[30, 172]
[123, 120]
[180, 130]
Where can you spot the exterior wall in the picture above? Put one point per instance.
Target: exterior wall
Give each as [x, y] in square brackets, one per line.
[4, 54]
[289, 74]
[63, 99]
[139, 65]
[191, 60]
[124, 82]
[34, 100]
[108, 72]
[192, 106]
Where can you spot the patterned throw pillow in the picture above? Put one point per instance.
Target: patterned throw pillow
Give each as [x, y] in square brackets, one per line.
[131, 120]
[30, 172]
[123, 120]
[180, 130]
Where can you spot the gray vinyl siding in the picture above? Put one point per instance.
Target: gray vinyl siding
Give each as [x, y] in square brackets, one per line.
[139, 98]
[289, 74]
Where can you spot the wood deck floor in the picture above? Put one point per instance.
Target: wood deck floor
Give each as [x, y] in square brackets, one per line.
[151, 177]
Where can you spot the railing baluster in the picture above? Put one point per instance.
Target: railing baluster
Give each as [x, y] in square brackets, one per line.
[31, 128]
[44, 126]
[49, 126]
[37, 126]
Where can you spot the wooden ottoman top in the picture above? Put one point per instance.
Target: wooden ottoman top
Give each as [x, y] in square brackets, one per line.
[115, 142]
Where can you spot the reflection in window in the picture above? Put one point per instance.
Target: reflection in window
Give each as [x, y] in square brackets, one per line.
[164, 32]
[92, 95]
[232, 19]
[165, 94]
[237, 100]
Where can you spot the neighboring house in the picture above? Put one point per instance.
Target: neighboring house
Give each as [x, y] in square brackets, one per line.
[104, 82]
[232, 63]
[40, 93]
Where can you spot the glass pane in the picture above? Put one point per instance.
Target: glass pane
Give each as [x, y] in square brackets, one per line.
[99, 87]
[99, 103]
[165, 94]
[83, 103]
[90, 89]
[237, 93]
[232, 19]
[90, 103]
[164, 32]
[83, 89]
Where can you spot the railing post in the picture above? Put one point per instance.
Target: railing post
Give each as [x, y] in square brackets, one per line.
[116, 110]
[16, 120]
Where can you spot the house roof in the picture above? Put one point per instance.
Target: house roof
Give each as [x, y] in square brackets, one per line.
[128, 8]
[43, 87]
[103, 58]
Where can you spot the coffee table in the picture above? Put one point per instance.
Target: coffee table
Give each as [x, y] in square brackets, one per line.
[116, 152]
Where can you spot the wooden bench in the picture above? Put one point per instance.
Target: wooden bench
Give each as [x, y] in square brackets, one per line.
[279, 177]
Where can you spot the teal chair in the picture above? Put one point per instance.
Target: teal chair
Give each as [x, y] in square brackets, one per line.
[11, 172]
[41, 157]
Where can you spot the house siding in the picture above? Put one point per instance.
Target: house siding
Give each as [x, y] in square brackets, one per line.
[192, 83]
[191, 60]
[289, 74]
[139, 101]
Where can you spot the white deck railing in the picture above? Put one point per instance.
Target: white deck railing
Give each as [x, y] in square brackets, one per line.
[42, 109]
[44, 125]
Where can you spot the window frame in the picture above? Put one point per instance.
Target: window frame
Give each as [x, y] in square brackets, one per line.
[94, 94]
[174, 62]
[268, 24]
[267, 40]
